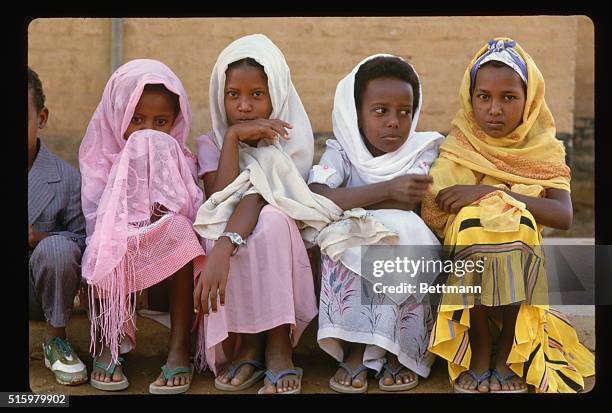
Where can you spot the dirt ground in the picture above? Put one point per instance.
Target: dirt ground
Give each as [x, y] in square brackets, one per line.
[142, 365]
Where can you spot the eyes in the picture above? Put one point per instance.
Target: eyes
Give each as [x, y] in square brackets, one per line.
[485, 98]
[158, 122]
[257, 93]
[381, 110]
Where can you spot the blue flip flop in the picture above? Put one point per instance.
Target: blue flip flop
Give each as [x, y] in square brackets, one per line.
[503, 379]
[478, 379]
[110, 370]
[394, 374]
[257, 374]
[275, 378]
[340, 388]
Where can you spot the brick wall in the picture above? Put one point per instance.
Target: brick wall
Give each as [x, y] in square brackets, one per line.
[72, 57]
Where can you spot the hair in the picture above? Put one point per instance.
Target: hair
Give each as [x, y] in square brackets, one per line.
[386, 66]
[158, 87]
[247, 61]
[35, 84]
[495, 63]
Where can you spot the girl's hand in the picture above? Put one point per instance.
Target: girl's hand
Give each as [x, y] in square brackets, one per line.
[409, 188]
[253, 131]
[213, 279]
[453, 198]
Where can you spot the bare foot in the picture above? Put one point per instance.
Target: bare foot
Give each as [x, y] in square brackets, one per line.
[514, 383]
[176, 358]
[105, 360]
[467, 382]
[250, 349]
[286, 383]
[405, 375]
[354, 360]
[278, 358]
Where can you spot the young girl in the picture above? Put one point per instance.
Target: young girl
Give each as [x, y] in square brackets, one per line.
[502, 175]
[264, 285]
[379, 163]
[140, 197]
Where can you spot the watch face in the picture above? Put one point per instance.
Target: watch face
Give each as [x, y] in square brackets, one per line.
[236, 239]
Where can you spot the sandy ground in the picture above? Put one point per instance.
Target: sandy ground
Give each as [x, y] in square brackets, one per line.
[143, 364]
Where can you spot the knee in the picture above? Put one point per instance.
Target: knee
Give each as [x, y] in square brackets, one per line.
[272, 217]
[58, 253]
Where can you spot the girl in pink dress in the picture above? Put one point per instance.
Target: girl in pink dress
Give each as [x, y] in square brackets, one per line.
[140, 196]
[261, 294]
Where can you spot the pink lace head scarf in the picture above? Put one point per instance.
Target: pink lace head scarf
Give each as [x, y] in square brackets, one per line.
[103, 141]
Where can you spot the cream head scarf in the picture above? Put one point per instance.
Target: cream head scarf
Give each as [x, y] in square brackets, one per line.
[286, 104]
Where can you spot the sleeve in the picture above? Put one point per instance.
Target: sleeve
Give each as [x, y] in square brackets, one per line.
[73, 219]
[333, 168]
[427, 157]
[208, 154]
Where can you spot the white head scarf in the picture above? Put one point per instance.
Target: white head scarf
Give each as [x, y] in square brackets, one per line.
[286, 104]
[392, 164]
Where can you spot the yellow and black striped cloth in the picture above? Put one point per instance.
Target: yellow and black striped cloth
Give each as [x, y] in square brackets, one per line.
[546, 352]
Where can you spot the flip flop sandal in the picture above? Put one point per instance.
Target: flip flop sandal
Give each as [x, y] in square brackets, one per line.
[478, 379]
[274, 379]
[257, 375]
[394, 374]
[341, 388]
[168, 374]
[110, 370]
[502, 380]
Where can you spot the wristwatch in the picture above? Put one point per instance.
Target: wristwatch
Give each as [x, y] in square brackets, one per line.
[235, 238]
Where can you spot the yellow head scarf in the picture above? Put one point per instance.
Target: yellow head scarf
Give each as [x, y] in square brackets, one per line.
[530, 155]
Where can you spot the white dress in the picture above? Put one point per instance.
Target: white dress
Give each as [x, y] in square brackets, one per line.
[349, 309]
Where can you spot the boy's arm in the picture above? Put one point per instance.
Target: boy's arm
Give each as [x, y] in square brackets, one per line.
[73, 218]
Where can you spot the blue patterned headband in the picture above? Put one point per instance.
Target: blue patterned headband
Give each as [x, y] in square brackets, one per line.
[501, 51]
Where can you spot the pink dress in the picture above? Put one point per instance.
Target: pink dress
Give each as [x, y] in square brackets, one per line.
[270, 282]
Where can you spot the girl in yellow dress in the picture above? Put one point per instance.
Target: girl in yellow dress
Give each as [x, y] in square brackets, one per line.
[500, 177]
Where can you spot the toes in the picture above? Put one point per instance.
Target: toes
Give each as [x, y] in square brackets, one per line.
[357, 383]
[282, 386]
[117, 376]
[269, 388]
[468, 384]
[160, 381]
[226, 377]
[242, 375]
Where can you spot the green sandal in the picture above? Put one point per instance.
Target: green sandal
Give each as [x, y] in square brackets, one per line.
[168, 374]
[110, 370]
